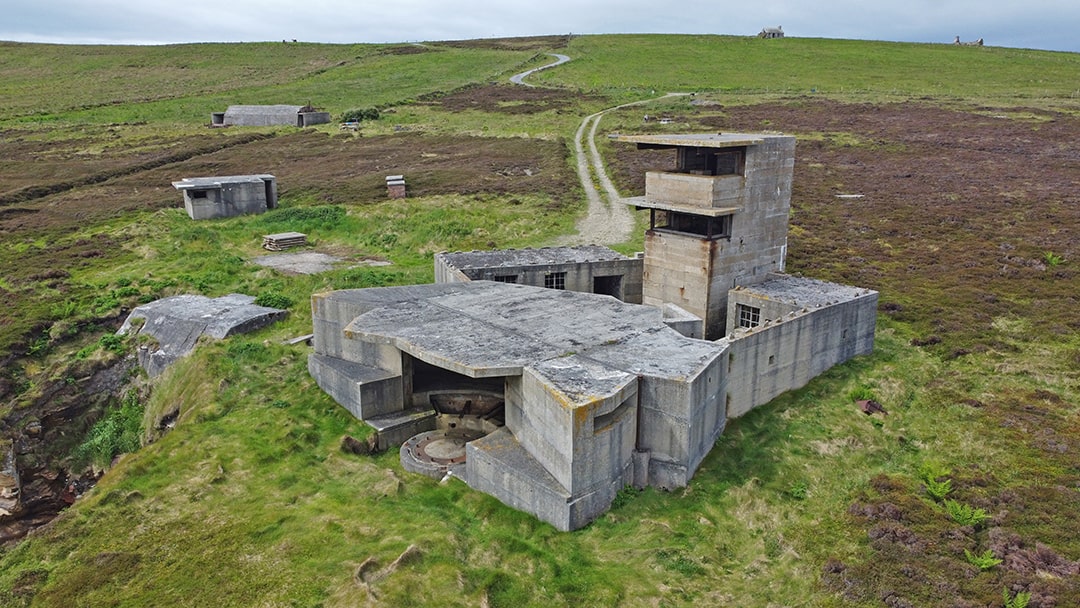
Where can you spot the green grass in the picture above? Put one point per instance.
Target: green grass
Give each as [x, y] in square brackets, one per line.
[254, 499]
[639, 65]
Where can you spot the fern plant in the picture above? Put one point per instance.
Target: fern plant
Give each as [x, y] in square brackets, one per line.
[964, 514]
[930, 473]
[983, 561]
[938, 490]
[1052, 259]
[1020, 600]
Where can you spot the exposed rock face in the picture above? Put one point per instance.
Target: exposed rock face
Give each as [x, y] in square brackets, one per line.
[9, 481]
[36, 482]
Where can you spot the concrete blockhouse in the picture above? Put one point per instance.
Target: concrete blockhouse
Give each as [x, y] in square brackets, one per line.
[585, 268]
[265, 116]
[553, 399]
[215, 197]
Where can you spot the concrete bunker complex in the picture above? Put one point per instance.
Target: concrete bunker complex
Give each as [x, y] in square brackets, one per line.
[537, 377]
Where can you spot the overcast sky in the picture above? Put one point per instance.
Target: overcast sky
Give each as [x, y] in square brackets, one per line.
[1039, 24]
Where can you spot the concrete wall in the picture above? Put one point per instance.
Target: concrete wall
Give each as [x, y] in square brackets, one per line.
[679, 420]
[681, 188]
[308, 119]
[676, 270]
[772, 359]
[367, 378]
[694, 273]
[230, 199]
[580, 276]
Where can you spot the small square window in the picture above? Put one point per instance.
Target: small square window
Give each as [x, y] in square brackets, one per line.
[555, 280]
[749, 316]
[772, 359]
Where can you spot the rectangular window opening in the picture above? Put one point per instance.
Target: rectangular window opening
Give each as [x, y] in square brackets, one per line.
[198, 194]
[711, 228]
[505, 278]
[709, 161]
[555, 280]
[749, 316]
[608, 286]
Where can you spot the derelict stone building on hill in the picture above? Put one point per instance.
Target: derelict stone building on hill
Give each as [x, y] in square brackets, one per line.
[536, 377]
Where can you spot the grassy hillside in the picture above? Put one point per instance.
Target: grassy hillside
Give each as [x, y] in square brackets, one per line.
[966, 163]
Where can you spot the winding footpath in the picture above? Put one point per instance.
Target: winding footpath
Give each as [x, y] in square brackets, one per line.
[520, 78]
[608, 219]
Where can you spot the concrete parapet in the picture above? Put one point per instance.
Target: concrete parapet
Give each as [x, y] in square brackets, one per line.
[395, 428]
[687, 324]
[365, 391]
[498, 465]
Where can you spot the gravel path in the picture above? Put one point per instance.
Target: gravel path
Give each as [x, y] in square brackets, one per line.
[608, 219]
[520, 78]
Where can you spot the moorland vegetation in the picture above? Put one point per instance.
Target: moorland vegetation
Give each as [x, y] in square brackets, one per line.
[967, 493]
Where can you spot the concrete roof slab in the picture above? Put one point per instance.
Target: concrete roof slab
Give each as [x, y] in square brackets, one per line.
[696, 140]
[485, 329]
[529, 257]
[803, 291]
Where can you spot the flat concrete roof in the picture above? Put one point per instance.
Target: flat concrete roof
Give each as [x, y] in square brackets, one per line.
[487, 329]
[263, 108]
[642, 202]
[696, 140]
[802, 291]
[528, 257]
[217, 182]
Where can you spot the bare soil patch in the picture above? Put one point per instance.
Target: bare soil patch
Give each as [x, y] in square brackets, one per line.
[509, 99]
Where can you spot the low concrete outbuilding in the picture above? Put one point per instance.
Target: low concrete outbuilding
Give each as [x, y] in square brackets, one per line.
[265, 116]
[585, 268]
[216, 197]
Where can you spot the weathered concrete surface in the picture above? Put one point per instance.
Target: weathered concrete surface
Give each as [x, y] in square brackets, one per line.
[310, 262]
[176, 323]
[218, 197]
[584, 268]
[571, 388]
[807, 326]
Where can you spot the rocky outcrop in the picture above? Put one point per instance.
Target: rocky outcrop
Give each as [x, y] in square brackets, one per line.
[9, 481]
[36, 480]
